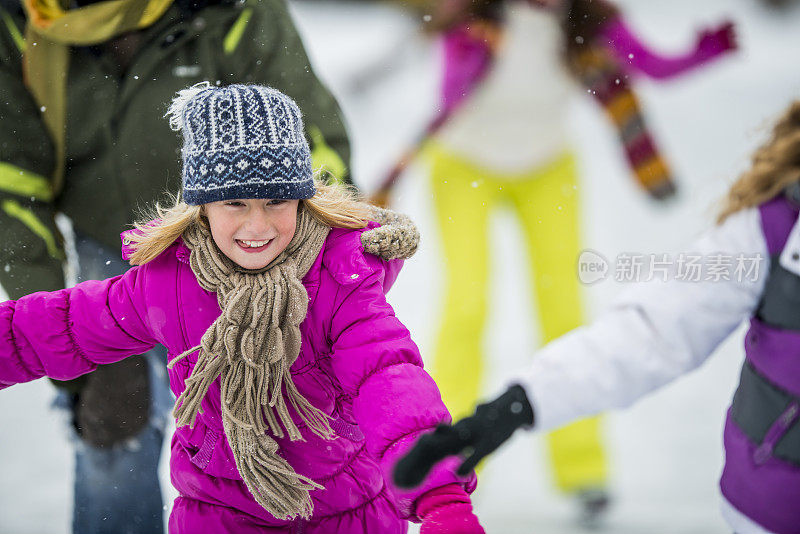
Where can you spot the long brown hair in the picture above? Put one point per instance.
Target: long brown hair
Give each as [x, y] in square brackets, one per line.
[581, 23]
[775, 167]
[442, 15]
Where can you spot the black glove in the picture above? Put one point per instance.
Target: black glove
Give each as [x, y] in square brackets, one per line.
[473, 437]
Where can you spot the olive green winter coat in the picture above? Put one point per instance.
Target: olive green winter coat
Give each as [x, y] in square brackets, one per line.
[121, 153]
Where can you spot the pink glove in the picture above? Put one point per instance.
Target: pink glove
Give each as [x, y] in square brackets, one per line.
[447, 510]
[713, 42]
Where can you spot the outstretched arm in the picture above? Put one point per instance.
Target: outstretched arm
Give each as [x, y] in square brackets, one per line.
[655, 333]
[68, 333]
[636, 56]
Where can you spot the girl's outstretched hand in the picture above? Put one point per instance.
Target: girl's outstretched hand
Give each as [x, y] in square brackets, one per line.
[716, 40]
[473, 437]
[447, 510]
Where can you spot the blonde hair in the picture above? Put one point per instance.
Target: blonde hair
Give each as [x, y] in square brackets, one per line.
[338, 206]
[776, 166]
[335, 205]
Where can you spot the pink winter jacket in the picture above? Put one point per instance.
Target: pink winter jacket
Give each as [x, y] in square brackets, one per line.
[357, 363]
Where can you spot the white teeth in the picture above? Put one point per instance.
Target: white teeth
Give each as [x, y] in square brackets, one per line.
[254, 244]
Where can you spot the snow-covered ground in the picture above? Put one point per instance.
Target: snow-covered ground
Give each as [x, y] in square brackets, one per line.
[666, 451]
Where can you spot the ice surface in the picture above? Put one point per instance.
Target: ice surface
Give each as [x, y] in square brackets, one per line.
[666, 452]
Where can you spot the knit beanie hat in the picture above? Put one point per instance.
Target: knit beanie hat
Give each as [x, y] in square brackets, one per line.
[241, 141]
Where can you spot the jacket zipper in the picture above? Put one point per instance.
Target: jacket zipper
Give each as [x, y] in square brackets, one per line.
[181, 318]
[778, 429]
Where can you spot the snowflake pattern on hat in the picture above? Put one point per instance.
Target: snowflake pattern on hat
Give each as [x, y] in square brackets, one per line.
[241, 141]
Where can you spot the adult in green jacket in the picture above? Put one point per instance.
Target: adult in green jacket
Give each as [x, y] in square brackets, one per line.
[99, 151]
[120, 152]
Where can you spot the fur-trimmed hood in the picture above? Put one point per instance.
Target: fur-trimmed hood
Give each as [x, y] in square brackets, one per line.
[397, 237]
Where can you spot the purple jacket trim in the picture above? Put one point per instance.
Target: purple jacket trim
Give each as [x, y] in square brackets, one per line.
[777, 219]
[768, 492]
[769, 350]
[765, 488]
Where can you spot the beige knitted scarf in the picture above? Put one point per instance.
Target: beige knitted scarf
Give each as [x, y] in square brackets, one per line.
[251, 347]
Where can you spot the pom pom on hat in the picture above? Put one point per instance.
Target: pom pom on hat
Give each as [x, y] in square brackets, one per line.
[178, 106]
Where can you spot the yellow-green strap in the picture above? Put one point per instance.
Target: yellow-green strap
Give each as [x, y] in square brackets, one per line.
[16, 35]
[231, 40]
[325, 158]
[24, 183]
[29, 219]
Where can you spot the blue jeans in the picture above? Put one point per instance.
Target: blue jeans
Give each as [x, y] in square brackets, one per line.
[117, 488]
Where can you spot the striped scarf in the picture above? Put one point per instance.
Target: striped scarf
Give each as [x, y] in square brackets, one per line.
[251, 347]
[600, 72]
[595, 68]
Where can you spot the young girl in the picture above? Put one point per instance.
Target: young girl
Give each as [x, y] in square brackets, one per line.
[297, 386]
[659, 331]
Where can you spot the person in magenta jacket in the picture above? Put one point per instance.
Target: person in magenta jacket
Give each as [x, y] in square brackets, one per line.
[268, 291]
[597, 47]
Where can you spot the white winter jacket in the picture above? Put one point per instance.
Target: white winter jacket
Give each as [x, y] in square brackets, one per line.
[653, 333]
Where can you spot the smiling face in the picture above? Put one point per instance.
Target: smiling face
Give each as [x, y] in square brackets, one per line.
[252, 232]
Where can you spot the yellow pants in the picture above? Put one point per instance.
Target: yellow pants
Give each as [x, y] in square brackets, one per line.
[546, 204]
